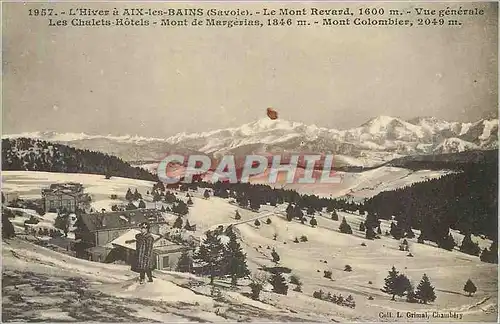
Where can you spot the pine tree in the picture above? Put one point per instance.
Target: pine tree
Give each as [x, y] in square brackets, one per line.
[370, 234]
[268, 221]
[163, 209]
[425, 291]
[256, 223]
[237, 216]
[279, 284]
[371, 220]
[235, 259]
[396, 231]
[206, 194]
[390, 286]
[335, 216]
[211, 255]
[137, 195]
[178, 223]
[469, 287]
[7, 227]
[344, 227]
[142, 204]
[185, 263]
[297, 212]
[447, 242]
[156, 196]
[180, 208]
[290, 213]
[129, 195]
[469, 247]
[189, 202]
[362, 226]
[275, 256]
[313, 222]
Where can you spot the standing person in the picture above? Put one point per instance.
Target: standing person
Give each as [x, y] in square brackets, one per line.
[144, 262]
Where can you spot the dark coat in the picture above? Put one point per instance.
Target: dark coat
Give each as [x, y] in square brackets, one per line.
[144, 259]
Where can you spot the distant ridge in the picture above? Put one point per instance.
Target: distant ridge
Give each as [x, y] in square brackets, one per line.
[374, 142]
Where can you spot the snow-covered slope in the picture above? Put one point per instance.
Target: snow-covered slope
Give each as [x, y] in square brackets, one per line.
[454, 145]
[360, 185]
[378, 140]
[41, 284]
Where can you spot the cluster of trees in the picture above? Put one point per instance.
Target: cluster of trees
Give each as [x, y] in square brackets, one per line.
[179, 207]
[403, 230]
[179, 224]
[339, 300]
[217, 259]
[36, 155]
[398, 284]
[43, 231]
[132, 196]
[465, 201]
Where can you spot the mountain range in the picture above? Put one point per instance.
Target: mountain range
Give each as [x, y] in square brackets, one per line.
[374, 142]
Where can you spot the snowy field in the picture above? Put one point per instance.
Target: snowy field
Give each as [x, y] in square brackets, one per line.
[357, 185]
[362, 184]
[41, 284]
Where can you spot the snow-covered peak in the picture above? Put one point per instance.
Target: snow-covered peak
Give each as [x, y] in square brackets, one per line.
[392, 128]
[267, 124]
[454, 145]
[377, 139]
[380, 121]
[72, 137]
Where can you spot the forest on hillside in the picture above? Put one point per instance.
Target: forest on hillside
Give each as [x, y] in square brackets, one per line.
[465, 201]
[37, 155]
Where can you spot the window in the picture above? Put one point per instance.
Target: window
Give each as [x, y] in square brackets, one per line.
[165, 262]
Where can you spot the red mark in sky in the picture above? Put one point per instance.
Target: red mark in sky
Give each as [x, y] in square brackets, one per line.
[271, 113]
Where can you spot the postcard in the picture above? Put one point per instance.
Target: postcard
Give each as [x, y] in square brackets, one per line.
[249, 161]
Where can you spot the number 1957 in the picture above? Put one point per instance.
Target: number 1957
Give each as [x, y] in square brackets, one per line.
[41, 12]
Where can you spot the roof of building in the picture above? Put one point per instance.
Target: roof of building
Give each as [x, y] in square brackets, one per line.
[68, 188]
[130, 235]
[120, 219]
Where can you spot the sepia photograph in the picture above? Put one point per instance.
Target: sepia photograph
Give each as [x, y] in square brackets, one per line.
[249, 161]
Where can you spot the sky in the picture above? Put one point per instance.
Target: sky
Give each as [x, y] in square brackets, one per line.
[160, 81]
